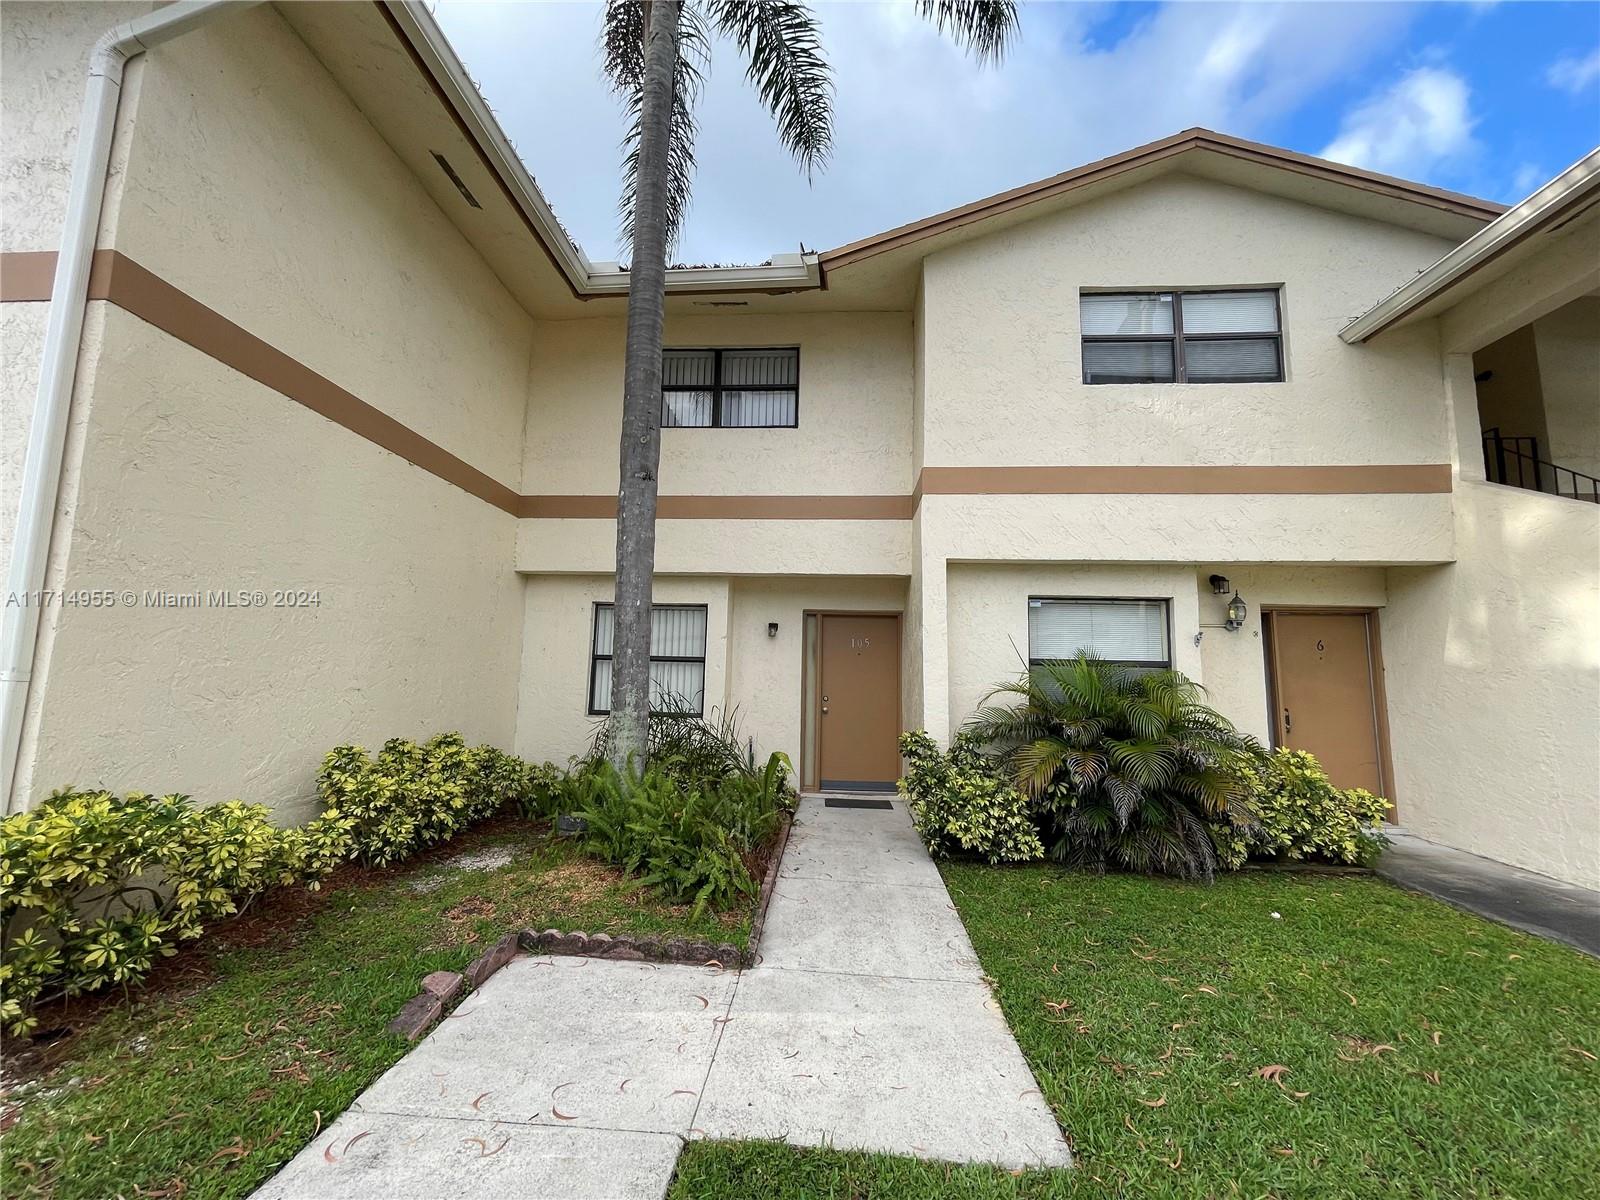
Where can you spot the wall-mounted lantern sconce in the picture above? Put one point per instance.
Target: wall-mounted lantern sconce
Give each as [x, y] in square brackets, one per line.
[1220, 585]
[1237, 611]
[772, 629]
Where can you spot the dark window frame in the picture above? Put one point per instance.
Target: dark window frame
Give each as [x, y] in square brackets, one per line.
[1150, 664]
[595, 657]
[1178, 338]
[718, 387]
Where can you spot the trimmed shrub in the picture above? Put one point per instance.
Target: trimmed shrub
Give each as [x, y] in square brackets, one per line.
[1124, 767]
[409, 796]
[94, 888]
[961, 802]
[1302, 815]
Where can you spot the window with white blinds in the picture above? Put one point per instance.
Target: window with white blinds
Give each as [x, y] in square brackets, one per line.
[1181, 337]
[730, 389]
[677, 659]
[1123, 631]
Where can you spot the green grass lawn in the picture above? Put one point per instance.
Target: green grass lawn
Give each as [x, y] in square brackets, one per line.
[1362, 1042]
[240, 1049]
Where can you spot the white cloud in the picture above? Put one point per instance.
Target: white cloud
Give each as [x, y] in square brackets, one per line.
[1423, 119]
[1572, 74]
[918, 126]
[1528, 177]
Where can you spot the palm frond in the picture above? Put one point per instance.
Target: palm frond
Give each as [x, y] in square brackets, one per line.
[785, 64]
[985, 27]
[622, 48]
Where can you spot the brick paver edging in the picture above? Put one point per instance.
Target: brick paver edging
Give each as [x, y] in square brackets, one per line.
[438, 988]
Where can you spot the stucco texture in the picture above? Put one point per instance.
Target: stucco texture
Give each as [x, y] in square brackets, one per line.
[1494, 684]
[1493, 663]
[747, 672]
[245, 177]
[254, 185]
[1003, 373]
[192, 478]
[853, 437]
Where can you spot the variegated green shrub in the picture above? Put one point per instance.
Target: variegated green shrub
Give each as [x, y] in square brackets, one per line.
[1304, 816]
[410, 796]
[959, 801]
[94, 887]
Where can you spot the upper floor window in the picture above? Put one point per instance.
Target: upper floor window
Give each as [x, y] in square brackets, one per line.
[1133, 632]
[1181, 337]
[730, 389]
[677, 659]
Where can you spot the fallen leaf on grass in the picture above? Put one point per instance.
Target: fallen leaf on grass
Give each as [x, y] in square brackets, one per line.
[1273, 1072]
[235, 1151]
[1161, 1103]
[1580, 1050]
[1283, 1150]
[1208, 989]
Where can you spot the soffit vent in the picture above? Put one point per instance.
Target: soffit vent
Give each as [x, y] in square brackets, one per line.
[444, 165]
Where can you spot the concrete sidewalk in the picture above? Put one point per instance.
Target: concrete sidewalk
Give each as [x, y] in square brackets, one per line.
[866, 1025]
[1562, 912]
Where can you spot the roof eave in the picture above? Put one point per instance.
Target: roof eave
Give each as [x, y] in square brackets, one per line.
[1177, 144]
[1566, 192]
[586, 278]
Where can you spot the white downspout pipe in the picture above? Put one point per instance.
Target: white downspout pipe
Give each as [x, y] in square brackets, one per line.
[69, 294]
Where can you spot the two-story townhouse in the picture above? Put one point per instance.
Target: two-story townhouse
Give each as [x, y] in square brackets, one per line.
[336, 350]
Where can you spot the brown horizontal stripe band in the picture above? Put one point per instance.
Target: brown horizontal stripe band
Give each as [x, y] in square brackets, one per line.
[117, 278]
[28, 276]
[732, 508]
[1184, 481]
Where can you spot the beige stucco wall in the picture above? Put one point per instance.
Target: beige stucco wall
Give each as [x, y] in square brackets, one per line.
[854, 433]
[553, 721]
[1568, 343]
[1494, 684]
[757, 676]
[247, 179]
[1493, 663]
[255, 186]
[193, 478]
[718, 547]
[1003, 372]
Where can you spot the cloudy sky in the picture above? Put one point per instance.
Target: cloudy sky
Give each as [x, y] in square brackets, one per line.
[1486, 98]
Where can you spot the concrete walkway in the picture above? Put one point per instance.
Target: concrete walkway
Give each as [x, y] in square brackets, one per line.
[866, 1025]
[1563, 912]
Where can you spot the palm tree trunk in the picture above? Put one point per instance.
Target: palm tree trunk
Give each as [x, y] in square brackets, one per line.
[641, 396]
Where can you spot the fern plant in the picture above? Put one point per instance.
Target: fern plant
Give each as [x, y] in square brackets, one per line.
[1125, 767]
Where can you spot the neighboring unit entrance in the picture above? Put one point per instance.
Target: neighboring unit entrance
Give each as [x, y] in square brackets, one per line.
[1326, 693]
[858, 702]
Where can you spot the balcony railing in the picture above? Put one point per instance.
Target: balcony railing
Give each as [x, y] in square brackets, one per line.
[1514, 461]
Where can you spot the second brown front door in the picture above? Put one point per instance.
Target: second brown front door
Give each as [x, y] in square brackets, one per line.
[1326, 694]
[859, 703]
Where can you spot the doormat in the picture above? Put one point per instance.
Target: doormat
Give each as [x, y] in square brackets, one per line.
[851, 802]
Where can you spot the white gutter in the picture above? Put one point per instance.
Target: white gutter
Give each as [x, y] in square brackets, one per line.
[1566, 191]
[587, 278]
[41, 472]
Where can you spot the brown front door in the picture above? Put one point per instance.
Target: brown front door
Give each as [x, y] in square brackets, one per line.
[859, 702]
[1326, 694]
